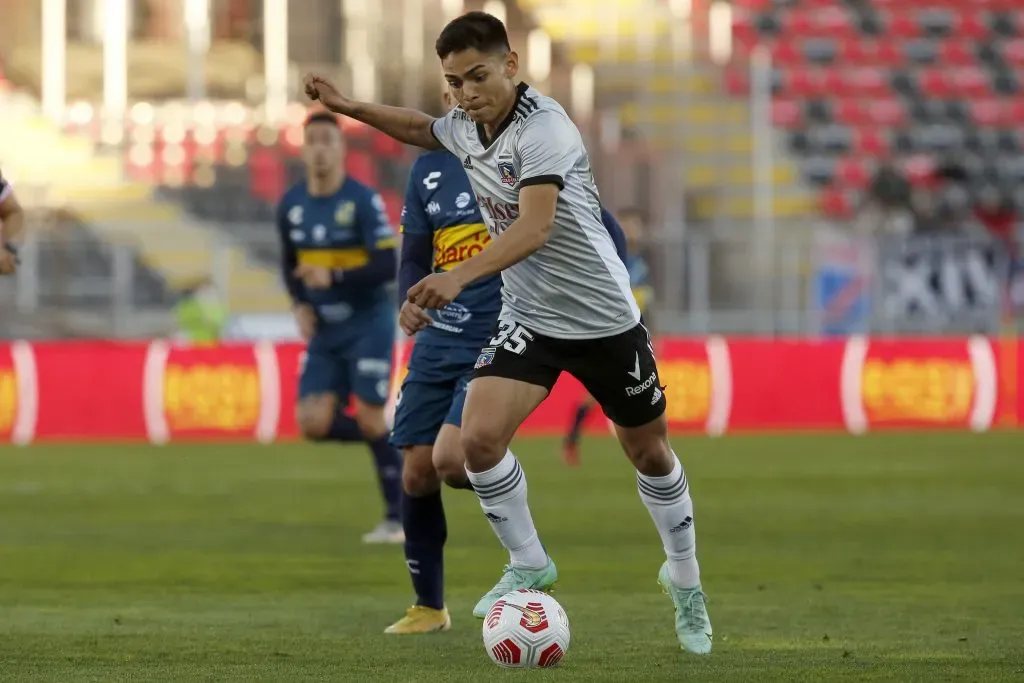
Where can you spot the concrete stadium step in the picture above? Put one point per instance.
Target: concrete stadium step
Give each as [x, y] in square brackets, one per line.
[783, 175]
[92, 186]
[632, 81]
[697, 114]
[710, 206]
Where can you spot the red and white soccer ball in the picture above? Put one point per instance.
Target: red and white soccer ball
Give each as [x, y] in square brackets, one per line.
[526, 629]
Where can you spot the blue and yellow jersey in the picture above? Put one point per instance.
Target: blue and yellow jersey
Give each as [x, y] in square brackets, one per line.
[639, 280]
[344, 232]
[440, 206]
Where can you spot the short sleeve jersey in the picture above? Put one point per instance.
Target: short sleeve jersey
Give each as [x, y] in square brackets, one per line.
[575, 286]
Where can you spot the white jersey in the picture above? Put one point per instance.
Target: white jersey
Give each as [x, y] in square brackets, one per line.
[575, 286]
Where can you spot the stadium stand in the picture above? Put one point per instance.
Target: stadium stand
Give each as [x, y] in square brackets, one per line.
[921, 82]
[668, 109]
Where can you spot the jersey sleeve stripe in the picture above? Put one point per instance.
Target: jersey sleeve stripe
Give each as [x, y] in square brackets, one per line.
[432, 124]
[544, 180]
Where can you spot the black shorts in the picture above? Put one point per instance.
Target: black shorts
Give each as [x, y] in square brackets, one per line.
[619, 371]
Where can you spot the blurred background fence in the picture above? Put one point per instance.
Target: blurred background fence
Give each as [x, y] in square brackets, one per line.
[808, 167]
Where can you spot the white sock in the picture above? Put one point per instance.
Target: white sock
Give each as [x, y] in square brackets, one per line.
[502, 494]
[668, 500]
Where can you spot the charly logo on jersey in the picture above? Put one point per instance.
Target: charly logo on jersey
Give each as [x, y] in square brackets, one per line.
[345, 214]
[295, 215]
[430, 182]
[463, 200]
[433, 208]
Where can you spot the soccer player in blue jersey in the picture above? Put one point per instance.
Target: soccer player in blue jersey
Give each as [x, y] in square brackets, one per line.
[632, 222]
[338, 256]
[441, 227]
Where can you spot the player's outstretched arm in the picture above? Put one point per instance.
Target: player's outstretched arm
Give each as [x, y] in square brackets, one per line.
[405, 125]
[537, 205]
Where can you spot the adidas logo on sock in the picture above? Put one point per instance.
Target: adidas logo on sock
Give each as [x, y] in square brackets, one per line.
[682, 526]
[491, 517]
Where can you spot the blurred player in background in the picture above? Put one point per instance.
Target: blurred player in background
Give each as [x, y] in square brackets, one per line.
[338, 256]
[566, 306]
[632, 221]
[441, 227]
[12, 225]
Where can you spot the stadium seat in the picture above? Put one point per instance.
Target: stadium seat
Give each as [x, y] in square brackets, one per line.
[955, 53]
[851, 112]
[853, 173]
[787, 114]
[871, 142]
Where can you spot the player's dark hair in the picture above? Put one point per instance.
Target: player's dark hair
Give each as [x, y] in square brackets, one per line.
[321, 116]
[473, 31]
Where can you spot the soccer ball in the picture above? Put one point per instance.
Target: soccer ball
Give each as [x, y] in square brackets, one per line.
[526, 629]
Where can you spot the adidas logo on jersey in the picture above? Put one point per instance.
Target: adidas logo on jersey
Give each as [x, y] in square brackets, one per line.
[467, 163]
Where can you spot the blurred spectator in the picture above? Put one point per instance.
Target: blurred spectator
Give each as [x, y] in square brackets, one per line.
[201, 313]
[886, 207]
[997, 215]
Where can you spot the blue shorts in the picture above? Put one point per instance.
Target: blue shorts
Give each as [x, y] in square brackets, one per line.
[432, 394]
[351, 359]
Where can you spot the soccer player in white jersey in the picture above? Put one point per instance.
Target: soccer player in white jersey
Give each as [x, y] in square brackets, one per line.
[566, 304]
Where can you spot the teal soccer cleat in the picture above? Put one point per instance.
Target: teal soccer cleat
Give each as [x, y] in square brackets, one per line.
[693, 626]
[514, 578]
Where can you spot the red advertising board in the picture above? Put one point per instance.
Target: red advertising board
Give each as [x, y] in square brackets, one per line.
[158, 392]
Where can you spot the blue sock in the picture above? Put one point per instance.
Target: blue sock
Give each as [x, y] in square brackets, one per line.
[344, 429]
[577, 424]
[425, 533]
[389, 474]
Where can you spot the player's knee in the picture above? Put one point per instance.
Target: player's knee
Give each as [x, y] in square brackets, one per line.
[370, 419]
[315, 418]
[450, 466]
[418, 475]
[651, 457]
[483, 448]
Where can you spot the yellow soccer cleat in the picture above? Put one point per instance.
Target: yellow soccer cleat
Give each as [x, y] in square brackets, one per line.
[419, 619]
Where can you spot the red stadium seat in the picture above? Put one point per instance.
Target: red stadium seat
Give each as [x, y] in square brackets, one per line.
[835, 203]
[987, 112]
[850, 112]
[889, 54]
[902, 25]
[853, 173]
[887, 112]
[856, 50]
[787, 114]
[1013, 51]
[360, 165]
[971, 26]
[1013, 111]
[743, 31]
[871, 142]
[935, 83]
[737, 82]
[867, 82]
[834, 22]
[803, 82]
[969, 82]
[799, 23]
[955, 53]
[786, 53]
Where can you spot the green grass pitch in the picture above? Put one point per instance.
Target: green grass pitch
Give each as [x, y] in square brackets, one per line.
[826, 558]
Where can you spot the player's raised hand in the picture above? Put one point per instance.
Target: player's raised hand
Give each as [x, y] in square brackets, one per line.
[435, 291]
[412, 318]
[319, 87]
[315, 277]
